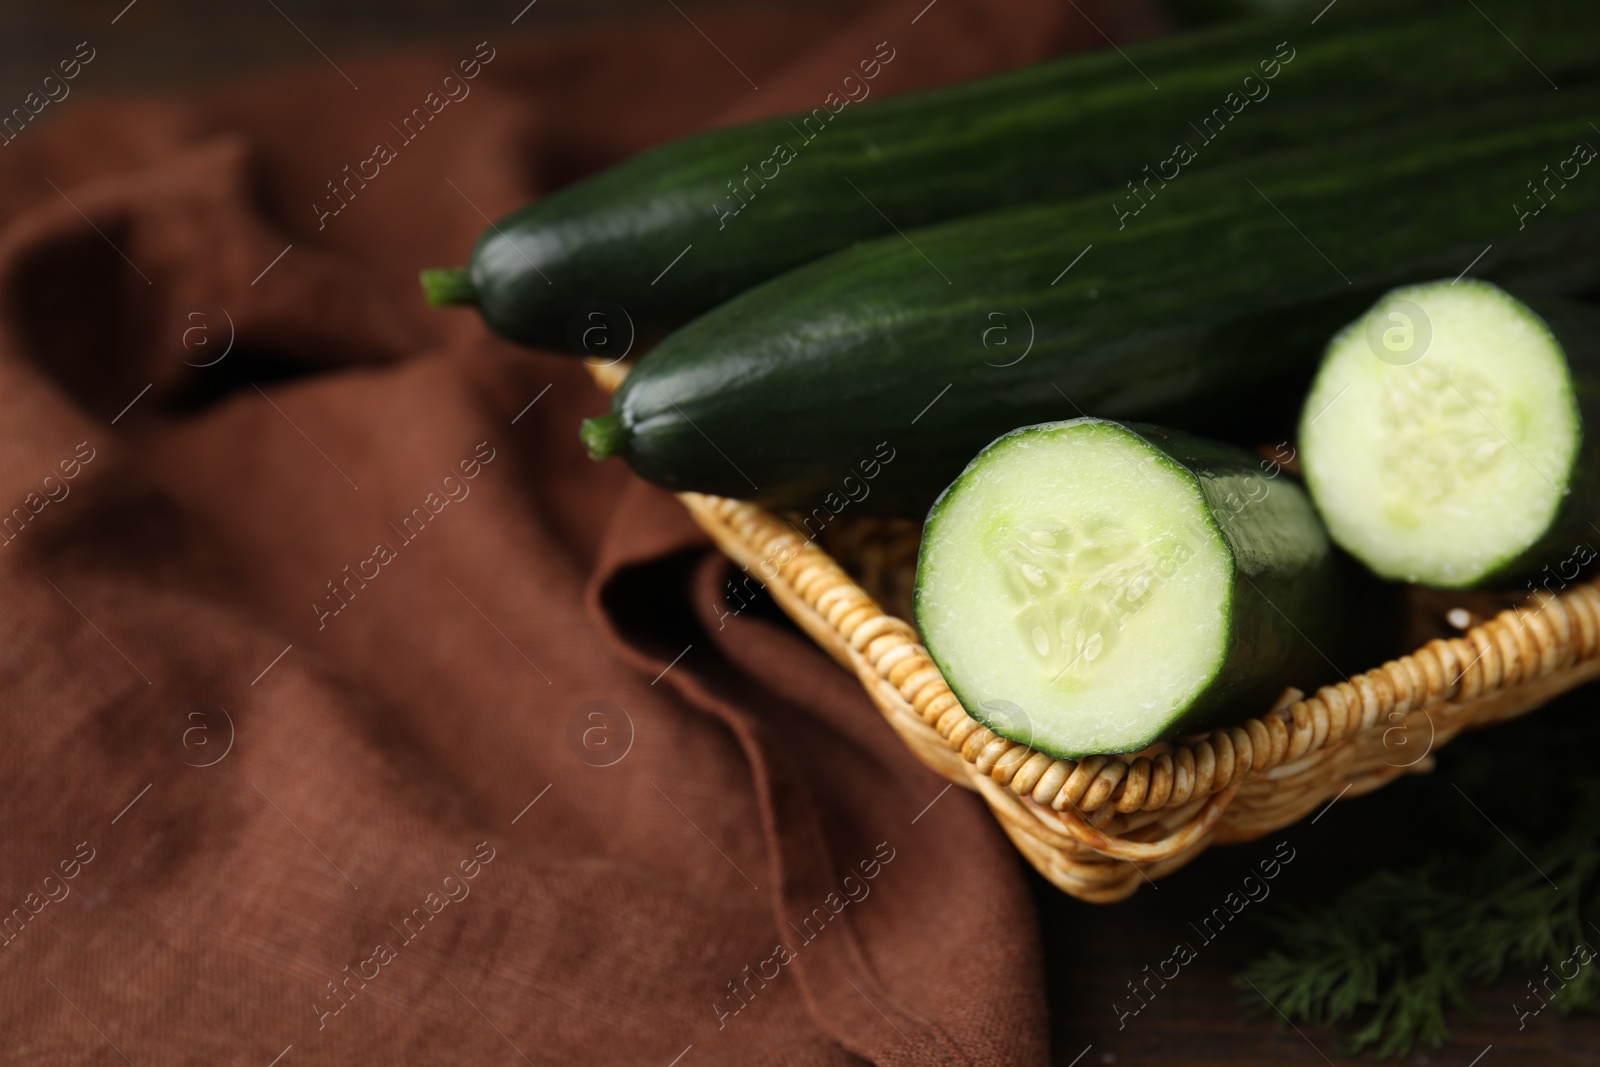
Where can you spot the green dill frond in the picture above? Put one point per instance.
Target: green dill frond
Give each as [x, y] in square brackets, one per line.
[1395, 953]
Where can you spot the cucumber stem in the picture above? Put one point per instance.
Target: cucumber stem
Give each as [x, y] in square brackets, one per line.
[604, 436]
[449, 287]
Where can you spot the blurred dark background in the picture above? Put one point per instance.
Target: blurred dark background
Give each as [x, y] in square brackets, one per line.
[169, 43]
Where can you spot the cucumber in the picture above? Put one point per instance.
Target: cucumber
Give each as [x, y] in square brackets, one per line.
[1444, 439]
[1090, 587]
[1209, 312]
[651, 243]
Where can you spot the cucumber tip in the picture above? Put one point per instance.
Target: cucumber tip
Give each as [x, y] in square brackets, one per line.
[449, 287]
[604, 435]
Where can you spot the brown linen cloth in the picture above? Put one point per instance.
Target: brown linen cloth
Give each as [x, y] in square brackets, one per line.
[351, 714]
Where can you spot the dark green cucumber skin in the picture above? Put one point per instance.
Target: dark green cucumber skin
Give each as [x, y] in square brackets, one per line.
[1209, 311]
[1291, 604]
[1571, 539]
[1285, 619]
[1041, 134]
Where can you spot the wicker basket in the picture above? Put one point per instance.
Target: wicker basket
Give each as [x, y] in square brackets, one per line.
[1098, 827]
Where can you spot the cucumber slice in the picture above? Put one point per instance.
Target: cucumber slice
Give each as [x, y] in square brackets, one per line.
[1442, 434]
[1091, 587]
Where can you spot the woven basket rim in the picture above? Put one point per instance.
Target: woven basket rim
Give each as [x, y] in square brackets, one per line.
[1533, 640]
[1097, 825]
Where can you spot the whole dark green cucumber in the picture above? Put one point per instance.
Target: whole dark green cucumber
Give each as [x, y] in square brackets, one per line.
[663, 237]
[1219, 293]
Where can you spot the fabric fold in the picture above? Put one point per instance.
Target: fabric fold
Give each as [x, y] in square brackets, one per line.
[371, 718]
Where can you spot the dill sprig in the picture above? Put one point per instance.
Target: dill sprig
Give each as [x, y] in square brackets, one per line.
[1399, 950]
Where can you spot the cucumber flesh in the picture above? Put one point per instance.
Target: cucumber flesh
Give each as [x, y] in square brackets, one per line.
[1440, 436]
[1089, 587]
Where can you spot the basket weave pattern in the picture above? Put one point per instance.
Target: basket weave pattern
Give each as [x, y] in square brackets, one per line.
[1099, 827]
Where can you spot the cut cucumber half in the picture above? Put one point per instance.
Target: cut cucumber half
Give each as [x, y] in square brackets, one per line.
[1092, 587]
[1442, 435]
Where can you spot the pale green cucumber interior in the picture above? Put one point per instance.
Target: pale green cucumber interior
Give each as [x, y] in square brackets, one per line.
[1074, 589]
[1440, 434]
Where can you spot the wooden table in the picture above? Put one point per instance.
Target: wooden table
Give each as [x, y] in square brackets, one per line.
[1198, 1020]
